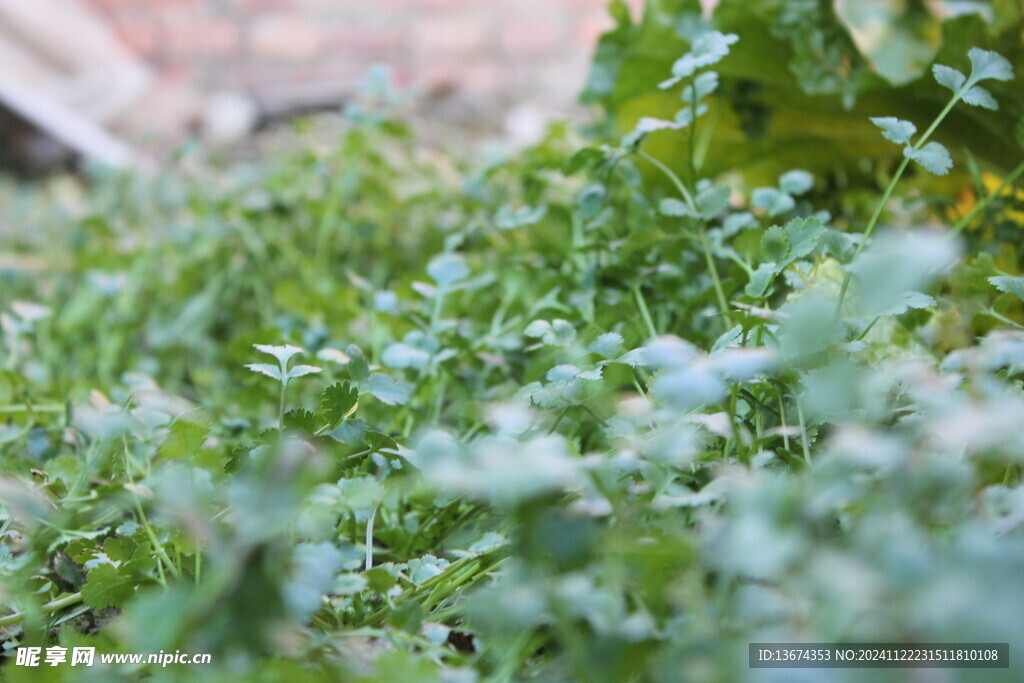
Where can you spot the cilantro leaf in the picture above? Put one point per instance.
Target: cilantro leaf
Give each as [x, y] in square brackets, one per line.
[986, 64]
[933, 156]
[894, 129]
[948, 77]
[1010, 285]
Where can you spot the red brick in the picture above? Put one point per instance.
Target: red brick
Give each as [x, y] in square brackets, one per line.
[139, 34]
[107, 6]
[200, 37]
[365, 41]
[592, 27]
[451, 35]
[530, 38]
[287, 36]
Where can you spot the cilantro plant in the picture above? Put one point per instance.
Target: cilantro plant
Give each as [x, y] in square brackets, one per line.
[603, 409]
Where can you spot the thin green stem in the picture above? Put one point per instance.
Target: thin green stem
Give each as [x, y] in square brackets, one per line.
[869, 229]
[26, 408]
[888, 195]
[723, 303]
[161, 554]
[52, 606]
[369, 539]
[693, 136]
[670, 174]
[803, 430]
[280, 407]
[645, 313]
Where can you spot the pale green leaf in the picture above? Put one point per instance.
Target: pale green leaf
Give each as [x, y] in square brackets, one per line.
[266, 369]
[986, 64]
[388, 390]
[933, 157]
[1010, 285]
[796, 182]
[303, 370]
[713, 201]
[949, 77]
[979, 97]
[894, 129]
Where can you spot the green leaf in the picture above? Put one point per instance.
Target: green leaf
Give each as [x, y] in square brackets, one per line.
[948, 77]
[361, 493]
[933, 157]
[281, 353]
[314, 567]
[979, 97]
[388, 390]
[358, 368]
[379, 441]
[709, 48]
[379, 580]
[591, 201]
[537, 329]
[422, 569]
[106, 587]
[713, 201]
[907, 301]
[646, 126]
[337, 401]
[774, 244]
[508, 218]
[986, 64]
[894, 129]
[555, 333]
[184, 438]
[760, 279]
[608, 345]
[447, 269]
[773, 201]
[803, 235]
[703, 85]
[266, 369]
[1010, 285]
[796, 182]
[303, 370]
[349, 431]
[301, 420]
[671, 206]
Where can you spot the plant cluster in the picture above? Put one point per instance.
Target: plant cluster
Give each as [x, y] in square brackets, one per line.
[582, 413]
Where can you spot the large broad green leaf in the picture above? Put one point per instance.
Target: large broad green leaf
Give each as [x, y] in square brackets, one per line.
[801, 85]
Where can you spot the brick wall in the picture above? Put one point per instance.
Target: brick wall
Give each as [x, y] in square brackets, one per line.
[294, 52]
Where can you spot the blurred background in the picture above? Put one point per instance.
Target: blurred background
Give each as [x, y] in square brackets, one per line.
[114, 80]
